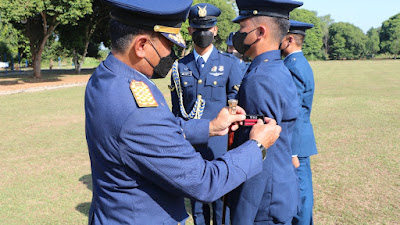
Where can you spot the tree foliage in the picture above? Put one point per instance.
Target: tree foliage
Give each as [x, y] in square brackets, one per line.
[313, 44]
[326, 22]
[346, 41]
[77, 43]
[47, 29]
[390, 35]
[37, 19]
[372, 44]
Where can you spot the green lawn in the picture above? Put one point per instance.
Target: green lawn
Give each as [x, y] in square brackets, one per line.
[45, 168]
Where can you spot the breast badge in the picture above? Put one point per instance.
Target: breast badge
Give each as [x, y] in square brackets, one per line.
[142, 94]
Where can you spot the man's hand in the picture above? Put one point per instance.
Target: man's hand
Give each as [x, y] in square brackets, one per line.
[220, 125]
[295, 162]
[266, 133]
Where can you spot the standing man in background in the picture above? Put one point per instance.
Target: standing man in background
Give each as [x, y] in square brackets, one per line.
[201, 87]
[303, 140]
[272, 196]
[231, 50]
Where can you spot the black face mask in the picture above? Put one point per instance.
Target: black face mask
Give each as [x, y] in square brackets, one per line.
[203, 38]
[282, 50]
[164, 66]
[238, 41]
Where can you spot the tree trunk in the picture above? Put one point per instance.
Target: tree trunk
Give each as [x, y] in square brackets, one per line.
[77, 64]
[37, 49]
[80, 62]
[37, 58]
[36, 61]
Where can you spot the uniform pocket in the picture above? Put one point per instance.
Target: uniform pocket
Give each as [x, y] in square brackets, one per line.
[187, 87]
[284, 201]
[217, 87]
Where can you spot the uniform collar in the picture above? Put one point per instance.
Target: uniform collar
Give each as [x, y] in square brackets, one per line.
[293, 53]
[205, 56]
[121, 69]
[265, 57]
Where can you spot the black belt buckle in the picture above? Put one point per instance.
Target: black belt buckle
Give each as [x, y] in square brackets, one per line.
[252, 119]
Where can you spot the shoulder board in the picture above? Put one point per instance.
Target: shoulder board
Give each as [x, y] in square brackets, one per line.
[142, 94]
[230, 56]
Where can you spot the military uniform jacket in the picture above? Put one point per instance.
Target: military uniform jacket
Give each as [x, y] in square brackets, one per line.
[272, 195]
[219, 81]
[303, 143]
[142, 162]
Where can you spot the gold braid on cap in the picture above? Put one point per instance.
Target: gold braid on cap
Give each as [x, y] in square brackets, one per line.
[164, 29]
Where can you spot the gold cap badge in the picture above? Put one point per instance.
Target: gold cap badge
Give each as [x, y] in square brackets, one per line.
[202, 11]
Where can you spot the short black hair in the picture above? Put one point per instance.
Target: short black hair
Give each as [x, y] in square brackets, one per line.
[299, 39]
[279, 25]
[121, 35]
[283, 26]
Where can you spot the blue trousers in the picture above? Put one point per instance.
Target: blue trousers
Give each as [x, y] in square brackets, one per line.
[201, 213]
[304, 217]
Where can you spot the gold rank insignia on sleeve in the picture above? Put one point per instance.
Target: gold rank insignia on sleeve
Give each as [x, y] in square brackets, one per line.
[237, 87]
[142, 94]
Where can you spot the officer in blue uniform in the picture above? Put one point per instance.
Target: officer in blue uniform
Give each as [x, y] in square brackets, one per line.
[142, 160]
[272, 196]
[231, 50]
[205, 80]
[303, 140]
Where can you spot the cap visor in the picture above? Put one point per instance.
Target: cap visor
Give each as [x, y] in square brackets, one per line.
[176, 39]
[240, 18]
[202, 26]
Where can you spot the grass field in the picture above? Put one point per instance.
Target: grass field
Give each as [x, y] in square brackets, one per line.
[45, 168]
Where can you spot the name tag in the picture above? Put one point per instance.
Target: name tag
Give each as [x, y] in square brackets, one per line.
[186, 73]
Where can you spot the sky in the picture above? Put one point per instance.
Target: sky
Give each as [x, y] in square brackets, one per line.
[361, 13]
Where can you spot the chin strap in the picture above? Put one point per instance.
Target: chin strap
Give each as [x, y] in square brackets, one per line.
[198, 108]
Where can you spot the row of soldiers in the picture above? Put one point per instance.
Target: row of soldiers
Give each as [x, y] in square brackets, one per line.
[145, 159]
[210, 76]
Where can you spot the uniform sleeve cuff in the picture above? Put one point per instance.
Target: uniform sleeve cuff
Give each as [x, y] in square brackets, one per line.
[197, 131]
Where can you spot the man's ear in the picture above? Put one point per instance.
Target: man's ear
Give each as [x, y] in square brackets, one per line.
[290, 39]
[215, 31]
[139, 44]
[190, 30]
[263, 31]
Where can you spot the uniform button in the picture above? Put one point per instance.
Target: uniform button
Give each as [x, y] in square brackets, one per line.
[185, 83]
[215, 82]
[200, 81]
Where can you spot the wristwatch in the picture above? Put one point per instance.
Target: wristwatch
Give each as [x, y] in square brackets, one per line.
[263, 149]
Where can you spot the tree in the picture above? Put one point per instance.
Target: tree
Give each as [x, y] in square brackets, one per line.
[346, 41]
[372, 44]
[390, 35]
[37, 19]
[326, 22]
[8, 38]
[313, 44]
[77, 43]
